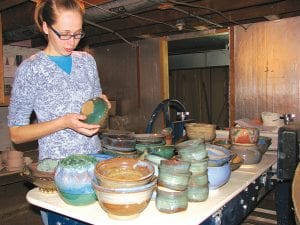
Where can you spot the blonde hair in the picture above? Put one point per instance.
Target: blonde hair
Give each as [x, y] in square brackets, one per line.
[46, 10]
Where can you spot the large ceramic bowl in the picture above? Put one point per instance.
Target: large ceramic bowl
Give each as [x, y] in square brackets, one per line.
[250, 154]
[200, 130]
[119, 142]
[124, 203]
[218, 175]
[150, 139]
[123, 172]
[73, 177]
[96, 110]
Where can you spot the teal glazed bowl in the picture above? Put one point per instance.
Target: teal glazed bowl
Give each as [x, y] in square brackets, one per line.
[164, 151]
[96, 111]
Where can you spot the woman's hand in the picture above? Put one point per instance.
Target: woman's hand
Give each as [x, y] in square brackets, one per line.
[74, 122]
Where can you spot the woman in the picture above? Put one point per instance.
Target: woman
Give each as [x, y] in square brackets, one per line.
[54, 83]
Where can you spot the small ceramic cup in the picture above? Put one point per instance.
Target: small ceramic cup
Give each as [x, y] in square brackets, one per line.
[198, 193]
[171, 201]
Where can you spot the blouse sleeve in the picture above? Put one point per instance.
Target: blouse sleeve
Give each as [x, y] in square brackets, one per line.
[23, 95]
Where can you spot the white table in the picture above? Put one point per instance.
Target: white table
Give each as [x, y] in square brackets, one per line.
[195, 214]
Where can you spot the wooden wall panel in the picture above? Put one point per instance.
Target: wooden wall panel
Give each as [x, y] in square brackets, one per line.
[266, 68]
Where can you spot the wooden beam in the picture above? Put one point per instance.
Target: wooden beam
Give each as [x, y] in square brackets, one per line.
[1, 66]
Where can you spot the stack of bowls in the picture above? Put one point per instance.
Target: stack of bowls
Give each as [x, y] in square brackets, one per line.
[119, 144]
[172, 190]
[244, 142]
[124, 186]
[194, 152]
[144, 141]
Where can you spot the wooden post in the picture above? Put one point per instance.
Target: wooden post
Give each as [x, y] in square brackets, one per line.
[1, 65]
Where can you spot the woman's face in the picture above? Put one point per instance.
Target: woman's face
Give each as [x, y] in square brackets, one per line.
[67, 22]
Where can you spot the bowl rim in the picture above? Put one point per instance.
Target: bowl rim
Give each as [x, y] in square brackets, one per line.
[124, 161]
[132, 189]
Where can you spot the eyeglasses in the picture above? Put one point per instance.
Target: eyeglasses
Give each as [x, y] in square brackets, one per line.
[68, 36]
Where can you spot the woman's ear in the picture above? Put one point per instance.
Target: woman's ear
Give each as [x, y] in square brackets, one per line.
[45, 28]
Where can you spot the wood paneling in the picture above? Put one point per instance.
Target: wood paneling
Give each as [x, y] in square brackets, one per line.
[266, 68]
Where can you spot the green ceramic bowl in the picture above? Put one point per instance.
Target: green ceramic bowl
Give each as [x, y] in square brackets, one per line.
[96, 111]
[165, 151]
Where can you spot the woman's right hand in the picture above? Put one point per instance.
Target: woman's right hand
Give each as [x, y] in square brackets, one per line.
[74, 122]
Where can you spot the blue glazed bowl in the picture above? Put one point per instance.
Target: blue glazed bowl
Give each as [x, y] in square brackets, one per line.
[218, 155]
[73, 177]
[218, 176]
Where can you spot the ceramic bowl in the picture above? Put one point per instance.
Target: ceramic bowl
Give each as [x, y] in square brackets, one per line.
[218, 176]
[119, 142]
[124, 172]
[124, 203]
[150, 139]
[199, 166]
[171, 201]
[96, 110]
[172, 179]
[164, 151]
[198, 193]
[201, 130]
[100, 157]
[178, 166]
[263, 144]
[244, 135]
[121, 154]
[43, 180]
[236, 162]
[192, 152]
[249, 153]
[189, 144]
[73, 177]
[218, 155]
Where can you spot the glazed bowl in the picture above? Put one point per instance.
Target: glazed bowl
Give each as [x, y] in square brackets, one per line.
[171, 201]
[199, 166]
[249, 153]
[198, 179]
[172, 179]
[218, 175]
[150, 139]
[193, 151]
[201, 130]
[73, 177]
[124, 203]
[197, 193]
[164, 151]
[43, 180]
[218, 155]
[244, 135]
[100, 157]
[121, 154]
[124, 172]
[96, 111]
[263, 144]
[177, 166]
[119, 142]
[189, 144]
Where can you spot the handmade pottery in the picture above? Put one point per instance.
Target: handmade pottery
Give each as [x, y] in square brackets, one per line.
[217, 155]
[249, 153]
[201, 130]
[244, 135]
[263, 144]
[218, 176]
[119, 142]
[164, 151]
[96, 110]
[123, 172]
[124, 203]
[171, 201]
[197, 193]
[73, 177]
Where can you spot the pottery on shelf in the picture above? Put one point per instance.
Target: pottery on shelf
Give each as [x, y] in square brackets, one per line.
[249, 153]
[201, 130]
[96, 110]
[244, 135]
[120, 142]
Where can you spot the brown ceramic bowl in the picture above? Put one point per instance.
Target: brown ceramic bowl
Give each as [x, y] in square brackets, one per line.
[123, 172]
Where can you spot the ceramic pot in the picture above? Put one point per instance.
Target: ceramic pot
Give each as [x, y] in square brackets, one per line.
[198, 193]
[199, 166]
[164, 151]
[263, 144]
[249, 153]
[73, 176]
[200, 130]
[171, 201]
[244, 135]
[119, 142]
[218, 176]
[96, 110]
